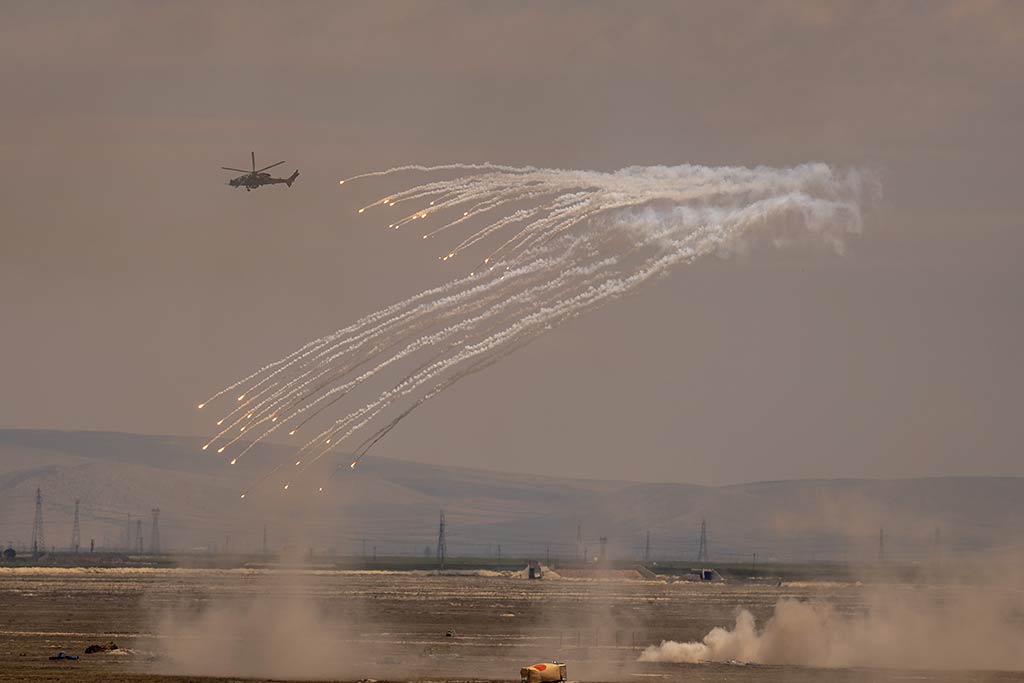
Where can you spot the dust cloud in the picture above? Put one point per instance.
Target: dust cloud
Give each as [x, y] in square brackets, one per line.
[283, 633]
[921, 628]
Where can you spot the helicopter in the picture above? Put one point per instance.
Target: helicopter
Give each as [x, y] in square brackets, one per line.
[258, 178]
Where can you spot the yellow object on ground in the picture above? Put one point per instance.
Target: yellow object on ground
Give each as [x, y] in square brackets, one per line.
[543, 673]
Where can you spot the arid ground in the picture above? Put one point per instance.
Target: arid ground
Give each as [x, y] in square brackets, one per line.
[192, 625]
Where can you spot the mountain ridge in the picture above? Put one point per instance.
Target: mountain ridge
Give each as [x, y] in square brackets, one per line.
[394, 504]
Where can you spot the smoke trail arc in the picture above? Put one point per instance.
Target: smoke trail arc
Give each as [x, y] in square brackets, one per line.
[561, 242]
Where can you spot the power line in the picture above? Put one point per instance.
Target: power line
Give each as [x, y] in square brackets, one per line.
[442, 547]
[154, 534]
[75, 532]
[702, 550]
[38, 540]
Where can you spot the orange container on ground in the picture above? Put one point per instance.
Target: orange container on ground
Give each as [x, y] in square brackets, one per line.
[548, 672]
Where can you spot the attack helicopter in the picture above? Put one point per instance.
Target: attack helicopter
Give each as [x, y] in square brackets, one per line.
[258, 178]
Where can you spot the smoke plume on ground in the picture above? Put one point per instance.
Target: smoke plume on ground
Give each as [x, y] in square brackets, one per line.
[274, 635]
[970, 629]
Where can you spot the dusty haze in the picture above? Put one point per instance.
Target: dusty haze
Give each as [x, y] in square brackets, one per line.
[136, 282]
[898, 628]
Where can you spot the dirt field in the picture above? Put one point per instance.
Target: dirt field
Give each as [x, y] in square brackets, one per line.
[182, 625]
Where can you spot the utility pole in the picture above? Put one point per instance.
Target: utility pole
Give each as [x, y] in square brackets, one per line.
[138, 534]
[499, 553]
[442, 547]
[38, 540]
[604, 544]
[264, 539]
[647, 548]
[702, 549]
[154, 534]
[76, 540]
[579, 543]
[547, 555]
[128, 533]
[881, 544]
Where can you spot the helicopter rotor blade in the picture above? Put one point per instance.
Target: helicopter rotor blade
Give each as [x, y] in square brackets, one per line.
[253, 161]
[228, 168]
[268, 167]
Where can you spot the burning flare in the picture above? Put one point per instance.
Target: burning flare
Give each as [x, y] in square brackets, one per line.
[561, 243]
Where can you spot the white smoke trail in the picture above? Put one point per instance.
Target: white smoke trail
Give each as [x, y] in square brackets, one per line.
[576, 240]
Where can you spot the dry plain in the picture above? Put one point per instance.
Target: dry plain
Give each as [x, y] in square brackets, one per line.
[202, 624]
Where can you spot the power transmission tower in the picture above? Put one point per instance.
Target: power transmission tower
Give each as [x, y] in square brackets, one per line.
[154, 534]
[702, 550]
[647, 548]
[138, 534]
[442, 547]
[38, 540]
[76, 539]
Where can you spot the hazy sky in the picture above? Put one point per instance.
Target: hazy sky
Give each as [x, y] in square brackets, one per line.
[135, 282]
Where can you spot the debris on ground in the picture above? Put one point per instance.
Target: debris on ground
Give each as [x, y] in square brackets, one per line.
[64, 655]
[108, 646]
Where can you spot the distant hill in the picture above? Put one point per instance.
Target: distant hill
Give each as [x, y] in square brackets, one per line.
[394, 505]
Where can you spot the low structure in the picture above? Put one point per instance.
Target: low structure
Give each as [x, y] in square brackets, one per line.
[702, 574]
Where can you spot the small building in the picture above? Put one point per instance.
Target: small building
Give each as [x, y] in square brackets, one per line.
[706, 574]
[534, 570]
[9, 554]
[701, 574]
